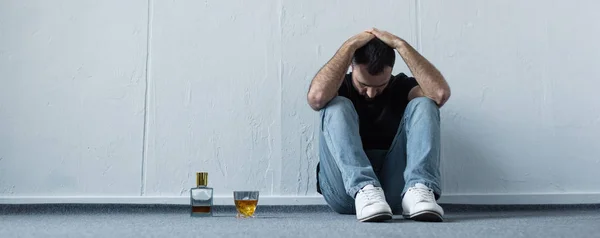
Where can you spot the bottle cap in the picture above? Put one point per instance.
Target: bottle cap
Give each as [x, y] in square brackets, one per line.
[201, 179]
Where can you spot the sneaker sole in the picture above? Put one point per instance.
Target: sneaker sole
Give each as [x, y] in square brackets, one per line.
[425, 216]
[377, 217]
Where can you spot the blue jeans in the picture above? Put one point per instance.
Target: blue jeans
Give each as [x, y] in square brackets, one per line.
[345, 167]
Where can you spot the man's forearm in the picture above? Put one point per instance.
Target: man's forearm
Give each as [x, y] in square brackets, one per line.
[429, 78]
[327, 81]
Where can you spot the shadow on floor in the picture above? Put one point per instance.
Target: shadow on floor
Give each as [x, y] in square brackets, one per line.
[456, 217]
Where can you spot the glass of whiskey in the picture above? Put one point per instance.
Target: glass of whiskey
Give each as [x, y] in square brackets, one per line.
[245, 203]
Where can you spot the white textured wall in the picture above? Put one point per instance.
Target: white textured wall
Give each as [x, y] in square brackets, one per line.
[72, 76]
[525, 115]
[113, 101]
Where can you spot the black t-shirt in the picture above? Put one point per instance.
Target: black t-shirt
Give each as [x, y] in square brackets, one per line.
[380, 117]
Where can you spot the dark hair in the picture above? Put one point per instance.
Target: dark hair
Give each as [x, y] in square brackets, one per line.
[376, 55]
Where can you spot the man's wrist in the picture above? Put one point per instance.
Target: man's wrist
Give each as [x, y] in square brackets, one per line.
[400, 44]
[348, 47]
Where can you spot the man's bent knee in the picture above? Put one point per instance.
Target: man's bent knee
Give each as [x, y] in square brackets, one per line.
[423, 104]
[339, 103]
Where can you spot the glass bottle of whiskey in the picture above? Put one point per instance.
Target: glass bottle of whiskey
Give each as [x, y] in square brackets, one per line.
[201, 197]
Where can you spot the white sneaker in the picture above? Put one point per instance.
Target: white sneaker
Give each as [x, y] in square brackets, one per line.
[419, 204]
[371, 205]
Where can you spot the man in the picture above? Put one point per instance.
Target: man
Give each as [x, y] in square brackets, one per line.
[380, 134]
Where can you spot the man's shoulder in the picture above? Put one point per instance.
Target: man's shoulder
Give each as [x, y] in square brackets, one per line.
[403, 79]
[400, 76]
[401, 84]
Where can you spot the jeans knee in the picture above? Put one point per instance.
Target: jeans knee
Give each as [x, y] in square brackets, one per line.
[423, 104]
[338, 105]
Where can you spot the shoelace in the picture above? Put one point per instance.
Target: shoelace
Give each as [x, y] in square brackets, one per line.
[424, 194]
[374, 194]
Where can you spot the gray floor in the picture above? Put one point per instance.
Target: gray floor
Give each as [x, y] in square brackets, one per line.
[315, 221]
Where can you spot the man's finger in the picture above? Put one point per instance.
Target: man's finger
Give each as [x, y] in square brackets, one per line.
[377, 33]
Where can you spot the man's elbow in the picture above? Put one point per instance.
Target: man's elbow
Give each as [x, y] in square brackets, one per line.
[442, 96]
[315, 101]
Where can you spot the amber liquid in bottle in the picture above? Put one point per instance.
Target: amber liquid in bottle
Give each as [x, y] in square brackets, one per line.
[201, 209]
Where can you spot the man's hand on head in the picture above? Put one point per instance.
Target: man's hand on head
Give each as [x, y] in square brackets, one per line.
[431, 82]
[388, 38]
[327, 81]
[359, 40]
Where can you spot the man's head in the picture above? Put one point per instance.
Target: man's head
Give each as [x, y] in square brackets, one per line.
[371, 68]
